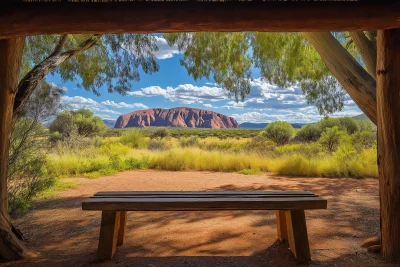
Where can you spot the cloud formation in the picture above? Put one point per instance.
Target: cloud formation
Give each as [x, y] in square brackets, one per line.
[184, 93]
[124, 105]
[100, 109]
[164, 50]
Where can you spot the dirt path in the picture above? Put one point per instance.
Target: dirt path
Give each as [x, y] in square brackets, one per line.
[64, 235]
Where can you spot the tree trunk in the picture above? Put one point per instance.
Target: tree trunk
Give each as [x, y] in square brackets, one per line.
[352, 76]
[11, 247]
[388, 102]
[30, 81]
[367, 49]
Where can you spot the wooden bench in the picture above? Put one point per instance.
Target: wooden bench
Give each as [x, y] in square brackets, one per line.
[289, 206]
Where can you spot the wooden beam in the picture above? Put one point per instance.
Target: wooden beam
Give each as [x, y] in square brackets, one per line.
[388, 106]
[21, 19]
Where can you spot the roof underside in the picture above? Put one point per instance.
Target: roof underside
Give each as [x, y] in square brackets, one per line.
[130, 16]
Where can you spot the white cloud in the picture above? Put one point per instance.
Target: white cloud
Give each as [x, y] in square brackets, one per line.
[208, 105]
[184, 93]
[164, 50]
[124, 105]
[149, 91]
[100, 109]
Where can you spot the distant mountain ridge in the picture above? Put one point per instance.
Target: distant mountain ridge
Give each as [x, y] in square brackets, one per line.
[360, 117]
[109, 123]
[176, 117]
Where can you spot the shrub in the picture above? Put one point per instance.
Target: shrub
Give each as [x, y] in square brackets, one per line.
[159, 145]
[327, 123]
[160, 133]
[330, 138]
[114, 149]
[134, 139]
[280, 132]
[83, 120]
[348, 125]
[309, 133]
[188, 141]
[364, 139]
[366, 125]
[55, 137]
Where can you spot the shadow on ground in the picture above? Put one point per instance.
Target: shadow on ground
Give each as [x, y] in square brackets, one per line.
[64, 235]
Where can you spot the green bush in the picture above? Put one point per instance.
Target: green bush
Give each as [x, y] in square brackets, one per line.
[330, 138]
[189, 141]
[160, 133]
[159, 145]
[134, 139]
[280, 132]
[309, 133]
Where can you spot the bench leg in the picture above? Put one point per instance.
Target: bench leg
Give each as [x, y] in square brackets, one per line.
[122, 228]
[108, 235]
[297, 233]
[281, 225]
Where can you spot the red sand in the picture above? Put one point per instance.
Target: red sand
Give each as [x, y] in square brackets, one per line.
[64, 235]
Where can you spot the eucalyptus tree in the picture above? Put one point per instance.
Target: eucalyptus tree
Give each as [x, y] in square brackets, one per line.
[324, 65]
[93, 61]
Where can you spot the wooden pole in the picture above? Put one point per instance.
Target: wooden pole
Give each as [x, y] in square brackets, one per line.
[11, 247]
[388, 109]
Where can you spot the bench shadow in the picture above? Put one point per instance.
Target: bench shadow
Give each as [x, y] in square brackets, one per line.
[64, 235]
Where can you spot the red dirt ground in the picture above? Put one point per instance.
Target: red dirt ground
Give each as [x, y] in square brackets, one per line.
[64, 235]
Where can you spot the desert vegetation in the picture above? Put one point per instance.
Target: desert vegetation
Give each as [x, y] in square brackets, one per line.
[78, 144]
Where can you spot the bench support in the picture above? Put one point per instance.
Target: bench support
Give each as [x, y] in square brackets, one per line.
[297, 233]
[281, 225]
[108, 234]
[122, 227]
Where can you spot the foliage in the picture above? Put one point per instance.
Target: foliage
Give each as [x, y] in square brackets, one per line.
[222, 55]
[82, 120]
[134, 139]
[309, 133]
[113, 63]
[330, 138]
[279, 131]
[346, 124]
[189, 141]
[366, 125]
[27, 154]
[285, 59]
[159, 145]
[160, 133]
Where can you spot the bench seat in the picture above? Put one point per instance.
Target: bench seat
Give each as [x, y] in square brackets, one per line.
[289, 206]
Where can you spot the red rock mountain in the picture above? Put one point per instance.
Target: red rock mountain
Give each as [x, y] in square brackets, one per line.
[176, 117]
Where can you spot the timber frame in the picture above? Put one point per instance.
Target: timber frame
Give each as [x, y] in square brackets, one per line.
[20, 19]
[31, 18]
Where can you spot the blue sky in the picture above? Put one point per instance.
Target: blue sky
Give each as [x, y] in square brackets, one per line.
[173, 87]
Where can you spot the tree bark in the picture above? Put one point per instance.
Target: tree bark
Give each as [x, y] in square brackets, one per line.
[367, 49]
[388, 102]
[11, 247]
[351, 75]
[30, 81]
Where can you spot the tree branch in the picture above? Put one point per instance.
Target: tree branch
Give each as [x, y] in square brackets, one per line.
[367, 49]
[30, 81]
[59, 46]
[351, 75]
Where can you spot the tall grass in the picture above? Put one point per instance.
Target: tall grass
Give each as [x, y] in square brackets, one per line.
[111, 158]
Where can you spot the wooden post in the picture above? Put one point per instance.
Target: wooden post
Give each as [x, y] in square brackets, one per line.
[388, 107]
[297, 232]
[108, 235]
[281, 225]
[11, 248]
[122, 228]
